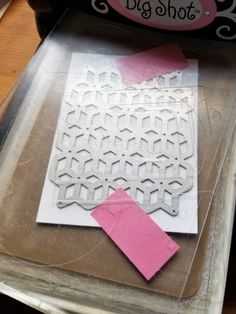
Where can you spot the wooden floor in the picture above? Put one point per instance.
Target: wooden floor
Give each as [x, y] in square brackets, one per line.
[18, 42]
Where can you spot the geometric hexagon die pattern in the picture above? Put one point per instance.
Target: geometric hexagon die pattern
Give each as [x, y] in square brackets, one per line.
[139, 138]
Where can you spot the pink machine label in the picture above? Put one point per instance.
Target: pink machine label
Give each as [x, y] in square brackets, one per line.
[179, 15]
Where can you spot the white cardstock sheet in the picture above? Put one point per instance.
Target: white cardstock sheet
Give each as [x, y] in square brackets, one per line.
[142, 138]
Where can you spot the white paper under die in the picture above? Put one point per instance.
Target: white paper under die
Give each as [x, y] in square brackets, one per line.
[142, 138]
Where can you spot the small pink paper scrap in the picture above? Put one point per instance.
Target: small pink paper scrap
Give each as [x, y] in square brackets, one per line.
[151, 63]
[146, 245]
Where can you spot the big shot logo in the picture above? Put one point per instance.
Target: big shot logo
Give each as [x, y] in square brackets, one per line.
[166, 11]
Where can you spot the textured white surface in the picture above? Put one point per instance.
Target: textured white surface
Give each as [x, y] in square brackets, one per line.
[142, 138]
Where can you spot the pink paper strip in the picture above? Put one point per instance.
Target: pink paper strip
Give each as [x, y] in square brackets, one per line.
[151, 63]
[146, 245]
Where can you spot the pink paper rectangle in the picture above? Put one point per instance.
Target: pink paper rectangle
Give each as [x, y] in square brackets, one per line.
[151, 63]
[146, 245]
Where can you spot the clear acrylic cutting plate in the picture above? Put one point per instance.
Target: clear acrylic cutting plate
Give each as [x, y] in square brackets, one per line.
[25, 154]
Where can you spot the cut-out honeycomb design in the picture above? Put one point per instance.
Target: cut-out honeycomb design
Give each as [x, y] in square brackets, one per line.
[139, 138]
